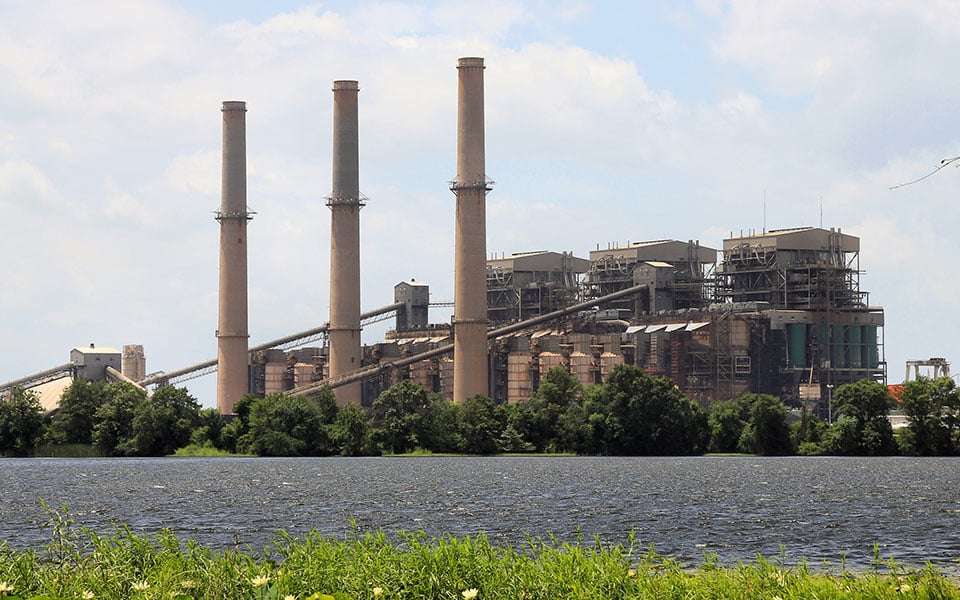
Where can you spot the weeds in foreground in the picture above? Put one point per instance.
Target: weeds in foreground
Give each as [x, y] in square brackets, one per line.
[80, 564]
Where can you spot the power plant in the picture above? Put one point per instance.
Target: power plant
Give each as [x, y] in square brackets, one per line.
[778, 312]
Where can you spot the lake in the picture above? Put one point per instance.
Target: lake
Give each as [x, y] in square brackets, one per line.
[820, 509]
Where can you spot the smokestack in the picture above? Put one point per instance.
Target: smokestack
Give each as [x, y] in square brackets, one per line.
[470, 291]
[232, 335]
[345, 203]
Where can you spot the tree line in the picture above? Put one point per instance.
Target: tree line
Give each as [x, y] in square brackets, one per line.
[631, 414]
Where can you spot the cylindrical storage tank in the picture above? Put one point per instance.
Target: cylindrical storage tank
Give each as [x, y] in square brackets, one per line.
[838, 346]
[581, 367]
[580, 342]
[823, 342]
[608, 361]
[796, 345]
[872, 357]
[446, 378]
[855, 346]
[519, 382]
[133, 362]
[273, 377]
[302, 374]
[549, 360]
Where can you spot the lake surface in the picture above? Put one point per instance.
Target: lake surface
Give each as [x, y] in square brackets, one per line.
[820, 509]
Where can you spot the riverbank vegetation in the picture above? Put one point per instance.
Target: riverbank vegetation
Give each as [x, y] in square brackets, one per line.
[78, 563]
[632, 413]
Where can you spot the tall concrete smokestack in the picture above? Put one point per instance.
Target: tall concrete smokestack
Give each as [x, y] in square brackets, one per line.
[345, 203]
[470, 291]
[232, 335]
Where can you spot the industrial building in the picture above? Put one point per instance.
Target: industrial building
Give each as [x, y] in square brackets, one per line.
[779, 312]
[782, 313]
[530, 284]
[677, 274]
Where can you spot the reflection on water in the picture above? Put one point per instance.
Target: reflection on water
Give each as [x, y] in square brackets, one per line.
[736, 508]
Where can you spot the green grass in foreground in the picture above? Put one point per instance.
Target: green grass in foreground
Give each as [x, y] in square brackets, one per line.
[78, 564]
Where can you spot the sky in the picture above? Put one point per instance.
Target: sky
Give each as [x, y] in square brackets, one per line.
[606, 122]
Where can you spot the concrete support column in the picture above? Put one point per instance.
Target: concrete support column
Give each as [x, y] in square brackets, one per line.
[345, 202]
[232, 334]
[470, 290]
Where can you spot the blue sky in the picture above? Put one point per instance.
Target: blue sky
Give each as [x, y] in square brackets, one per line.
[606, 122]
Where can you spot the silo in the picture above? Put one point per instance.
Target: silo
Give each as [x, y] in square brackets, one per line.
[872, 358]
[796, 345]
[855, 346]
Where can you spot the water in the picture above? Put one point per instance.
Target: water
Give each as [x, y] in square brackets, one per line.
[820, 509]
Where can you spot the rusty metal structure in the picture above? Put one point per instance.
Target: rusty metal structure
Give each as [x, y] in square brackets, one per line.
[678, 275]
[529, 284]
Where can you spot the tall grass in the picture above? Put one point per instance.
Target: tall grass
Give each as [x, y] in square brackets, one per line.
[68, 451]
[80, 564]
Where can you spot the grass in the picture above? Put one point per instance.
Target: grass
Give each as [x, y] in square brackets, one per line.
[79, 564]
[68, 451]
[206, 450]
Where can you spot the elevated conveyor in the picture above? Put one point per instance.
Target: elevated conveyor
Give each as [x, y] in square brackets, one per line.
[210, 366]
[374, 370]
[39, 378]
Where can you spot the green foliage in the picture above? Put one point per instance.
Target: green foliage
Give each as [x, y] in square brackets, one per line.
[727, 421]
[352, 432]
[932, 407]
[165, 422]
[75, 418]
[558, 391]
[650, 416]
[114, 433]
[397, 415]
[22, 424]
[206, 450]
[863, 428]
[81, 564]
[481, 425]
[766, 432]
[439, 429]
[282, 425]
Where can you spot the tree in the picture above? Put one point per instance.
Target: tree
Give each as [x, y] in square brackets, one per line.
[766, 433]
[351, 432]
[931, 407]
[481, 425]
[239, 426]
[165, 422]
[586, 426]
[282, 425]
[557, 391]
[868, 404]
[439, 429]
[114, 431]
[75, 419]
[397, 415]
[209, 430]
[22, 423]
[650, 416]
[727, 421]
